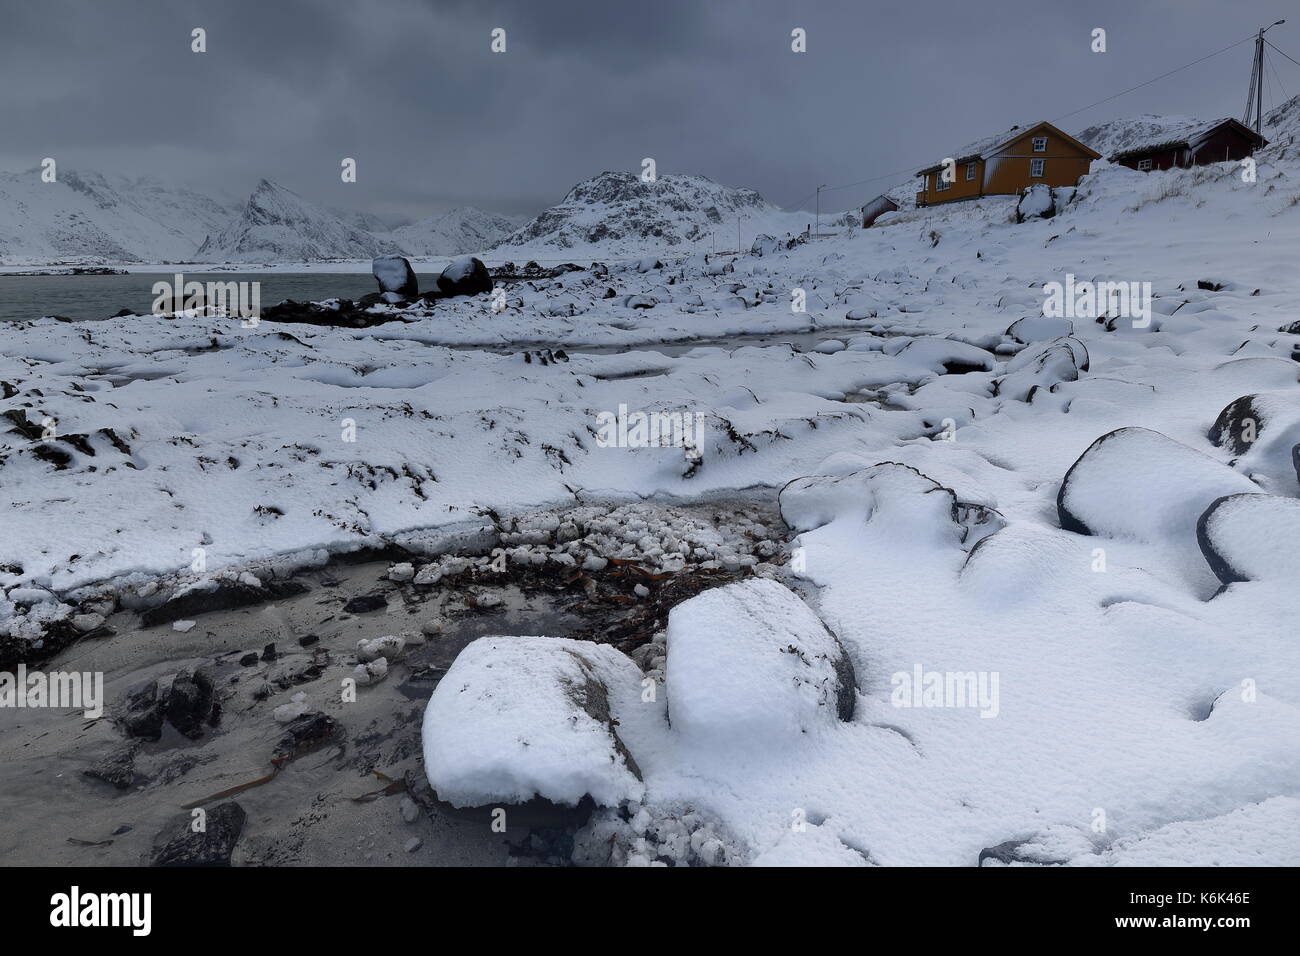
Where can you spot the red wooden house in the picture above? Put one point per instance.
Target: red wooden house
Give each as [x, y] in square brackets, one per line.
[1221, 141]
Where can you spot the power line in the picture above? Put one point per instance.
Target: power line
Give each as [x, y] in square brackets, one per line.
[1155, 79]
[1107, 99]
[1283, 52]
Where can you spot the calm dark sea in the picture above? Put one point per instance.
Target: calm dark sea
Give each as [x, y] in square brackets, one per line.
[97, 297]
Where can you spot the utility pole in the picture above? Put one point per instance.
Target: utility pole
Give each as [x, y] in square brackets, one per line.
[1255, 92]
[819, 210]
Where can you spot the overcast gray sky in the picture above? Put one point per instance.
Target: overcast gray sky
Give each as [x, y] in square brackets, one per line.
[410, 88]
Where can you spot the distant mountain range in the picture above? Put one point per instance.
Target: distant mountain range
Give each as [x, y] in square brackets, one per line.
[87, 216]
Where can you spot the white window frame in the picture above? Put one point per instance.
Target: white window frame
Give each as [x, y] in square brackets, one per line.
[1037, 167]
[1040, 144]
[1144, 165]
[940, 184]
[970, 171]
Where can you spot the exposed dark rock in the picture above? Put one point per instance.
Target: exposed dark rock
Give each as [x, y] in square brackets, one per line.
[143, 713]
[118, 768]
[394, 274]
[225, 597]
[189, 702]
[465, 276]
[212, 846]
[1237, 426]
[1015, 851]
[304, 734]
[365, 603]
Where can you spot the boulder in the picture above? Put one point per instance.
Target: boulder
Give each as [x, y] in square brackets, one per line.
[1251, 537]
[394, 274]
[1036, 202]
[516, 718]
[1043, 364]
[466, 275]
[1138, 483]
[750, 665]
[1263, 431]
[181, 845]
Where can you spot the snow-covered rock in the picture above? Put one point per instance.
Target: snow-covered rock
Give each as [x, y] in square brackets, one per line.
[1251, 537]
[1038, 328]
[394, 274]
[1036, 202]
[1137, 483]
[751, 665]
[466, 275]
[1042, 364]
[522, 717]
[1263, 431]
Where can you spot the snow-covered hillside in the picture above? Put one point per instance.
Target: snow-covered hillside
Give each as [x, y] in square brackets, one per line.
[464, 229]
[86, 215]
[617, 213]
[1116, 136]
[278, 225]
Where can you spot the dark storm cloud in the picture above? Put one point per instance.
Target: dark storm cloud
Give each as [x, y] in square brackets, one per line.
[411, 90]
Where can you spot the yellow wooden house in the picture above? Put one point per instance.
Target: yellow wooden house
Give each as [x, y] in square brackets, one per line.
[1005, 164]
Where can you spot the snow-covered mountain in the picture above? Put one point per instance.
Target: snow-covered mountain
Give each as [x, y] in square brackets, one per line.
[618, 212]
[86, 215]
[464, 229]
[1115, 136]
[278, 225]
[1282, 130]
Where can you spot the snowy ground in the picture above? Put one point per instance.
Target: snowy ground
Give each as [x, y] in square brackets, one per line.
[1145, 712]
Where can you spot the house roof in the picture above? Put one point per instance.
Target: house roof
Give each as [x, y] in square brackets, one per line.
[1187, 136]
[989, 145]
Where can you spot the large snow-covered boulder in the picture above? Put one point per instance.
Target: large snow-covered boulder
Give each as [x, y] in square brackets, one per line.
[1042, 364]
[750, 664]
[1263, 429]
[394, 274]
[938, 355]
[897, 500]
[521, 717]
[1036, 202]
[1038, 328]
[1137, 483]
[1251, 537]
[466, 275]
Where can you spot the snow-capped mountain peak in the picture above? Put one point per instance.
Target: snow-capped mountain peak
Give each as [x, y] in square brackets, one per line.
[619, 211]
[279, 225]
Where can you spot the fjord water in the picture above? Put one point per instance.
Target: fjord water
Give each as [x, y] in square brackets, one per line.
[99, 296]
